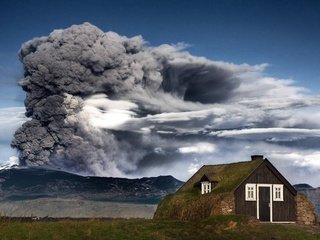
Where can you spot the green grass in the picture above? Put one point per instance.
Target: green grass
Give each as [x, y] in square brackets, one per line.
[186, 205]
[217, 227]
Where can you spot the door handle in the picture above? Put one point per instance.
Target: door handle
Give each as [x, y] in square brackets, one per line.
[269, 205]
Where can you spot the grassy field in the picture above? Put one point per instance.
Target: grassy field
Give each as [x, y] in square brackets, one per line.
[218, 227]
[75, 208]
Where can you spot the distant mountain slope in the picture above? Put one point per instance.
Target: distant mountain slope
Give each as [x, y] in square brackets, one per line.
[302, 186]
[312, 193]
[36, 183]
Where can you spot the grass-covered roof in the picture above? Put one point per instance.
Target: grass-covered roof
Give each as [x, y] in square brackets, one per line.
[228, 176]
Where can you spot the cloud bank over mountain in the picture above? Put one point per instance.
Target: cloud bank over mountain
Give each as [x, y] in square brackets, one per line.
[104, 104]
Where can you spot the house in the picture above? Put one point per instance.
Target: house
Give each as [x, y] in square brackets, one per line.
[254, 188]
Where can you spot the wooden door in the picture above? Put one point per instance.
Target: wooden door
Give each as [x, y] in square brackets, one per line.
[264, 203]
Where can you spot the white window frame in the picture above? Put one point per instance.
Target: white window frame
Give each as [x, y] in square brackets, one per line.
[251, 192]
[277, 190]
[205, 187]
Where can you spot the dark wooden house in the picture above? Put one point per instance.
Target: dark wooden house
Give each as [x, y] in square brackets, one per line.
[254, 188]
[266, 194]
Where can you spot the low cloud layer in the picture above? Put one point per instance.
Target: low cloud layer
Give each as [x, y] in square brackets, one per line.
[104, 104]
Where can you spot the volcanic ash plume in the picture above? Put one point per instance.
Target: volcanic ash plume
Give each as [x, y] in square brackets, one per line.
[89, 95]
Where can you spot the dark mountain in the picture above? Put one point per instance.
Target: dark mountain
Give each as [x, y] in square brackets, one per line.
[312, 193]
[302, 186]
[35, 183]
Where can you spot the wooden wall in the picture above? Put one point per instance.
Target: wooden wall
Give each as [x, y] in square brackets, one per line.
[282, 211]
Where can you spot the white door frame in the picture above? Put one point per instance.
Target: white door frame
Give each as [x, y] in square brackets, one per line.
[270, 187]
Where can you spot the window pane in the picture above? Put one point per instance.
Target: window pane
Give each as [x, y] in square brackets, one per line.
[250, 192]
[278, 192]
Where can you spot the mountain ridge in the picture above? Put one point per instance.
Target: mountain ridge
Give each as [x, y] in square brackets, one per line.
[35, 183]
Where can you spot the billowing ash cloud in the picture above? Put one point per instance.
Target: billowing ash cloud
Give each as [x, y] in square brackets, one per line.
[99, 103]
[67, 67]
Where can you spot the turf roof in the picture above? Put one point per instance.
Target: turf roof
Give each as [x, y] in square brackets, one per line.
[228, 176]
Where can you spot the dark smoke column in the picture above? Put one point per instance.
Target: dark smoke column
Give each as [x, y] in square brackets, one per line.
[60, 71]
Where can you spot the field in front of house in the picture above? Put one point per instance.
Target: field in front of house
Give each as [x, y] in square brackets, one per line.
[217, 227]
[75, 208]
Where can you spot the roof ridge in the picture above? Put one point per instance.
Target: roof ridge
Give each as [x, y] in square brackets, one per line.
[223, 164]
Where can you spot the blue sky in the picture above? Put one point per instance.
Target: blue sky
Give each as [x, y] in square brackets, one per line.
[283, 34]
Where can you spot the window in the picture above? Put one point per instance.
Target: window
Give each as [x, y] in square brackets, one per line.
[250, 192]
[277, 192]
[205, 187]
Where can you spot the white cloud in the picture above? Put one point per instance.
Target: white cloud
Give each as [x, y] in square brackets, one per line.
[310, 159]
[6, 152]
[193, 168]
[102, 112]
[159, 150]
[262, 133]
[10, 120]
[199, 148]
[179, 116]
[13, 160]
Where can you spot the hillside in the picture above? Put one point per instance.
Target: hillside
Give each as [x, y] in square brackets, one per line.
[36, 183]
